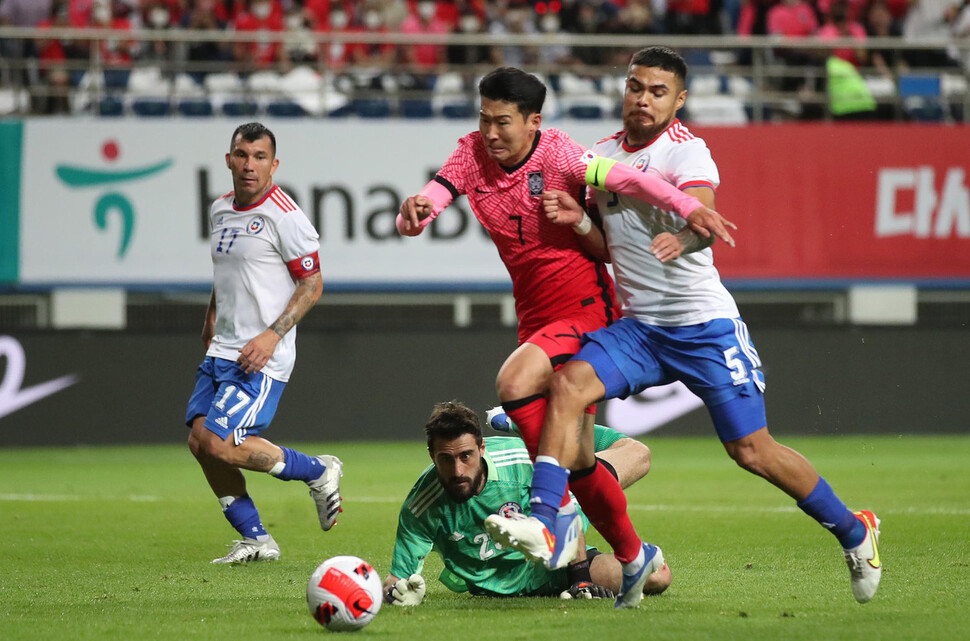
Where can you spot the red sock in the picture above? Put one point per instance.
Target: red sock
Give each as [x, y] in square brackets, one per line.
[528, 417]
[604, 502]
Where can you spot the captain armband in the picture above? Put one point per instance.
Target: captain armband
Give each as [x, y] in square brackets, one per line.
[597, 170]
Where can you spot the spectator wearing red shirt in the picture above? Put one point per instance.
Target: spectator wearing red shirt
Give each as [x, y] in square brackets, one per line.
[839, 25]
[262, 16]
[115, 52]
[54, 55]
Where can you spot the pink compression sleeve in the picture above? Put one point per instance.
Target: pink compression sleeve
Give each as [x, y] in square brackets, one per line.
[440, 198]
[626, 180]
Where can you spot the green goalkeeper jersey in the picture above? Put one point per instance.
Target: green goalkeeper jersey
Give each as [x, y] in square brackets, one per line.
[430, 519]
[603, 437]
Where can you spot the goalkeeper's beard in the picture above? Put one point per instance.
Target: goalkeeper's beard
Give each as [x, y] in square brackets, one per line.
[461, 492]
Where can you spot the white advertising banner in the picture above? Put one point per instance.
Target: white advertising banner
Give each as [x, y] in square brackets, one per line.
[123, 202]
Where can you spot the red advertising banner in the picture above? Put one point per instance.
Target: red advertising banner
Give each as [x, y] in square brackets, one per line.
[844, 202]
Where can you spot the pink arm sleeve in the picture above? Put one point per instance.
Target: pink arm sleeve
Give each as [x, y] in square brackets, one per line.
[626, 180]
[440, 197]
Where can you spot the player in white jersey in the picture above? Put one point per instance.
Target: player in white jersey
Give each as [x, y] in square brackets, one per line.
[266, 276]
[679, 322]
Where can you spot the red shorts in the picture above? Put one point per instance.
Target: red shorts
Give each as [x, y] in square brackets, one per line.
[560, 339]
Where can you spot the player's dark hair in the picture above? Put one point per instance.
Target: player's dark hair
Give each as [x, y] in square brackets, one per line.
[452, 419]
[662, 58]
[251, 132]
[515, 86]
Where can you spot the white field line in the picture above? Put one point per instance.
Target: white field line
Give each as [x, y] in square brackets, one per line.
[922, 510]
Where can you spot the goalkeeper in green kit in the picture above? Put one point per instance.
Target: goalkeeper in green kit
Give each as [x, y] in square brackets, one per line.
[472, 477]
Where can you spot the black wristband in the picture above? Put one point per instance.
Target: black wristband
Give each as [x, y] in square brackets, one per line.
[578, 573]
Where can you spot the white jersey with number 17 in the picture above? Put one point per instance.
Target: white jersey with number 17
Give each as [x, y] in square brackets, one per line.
[258, 252]
[687, 290]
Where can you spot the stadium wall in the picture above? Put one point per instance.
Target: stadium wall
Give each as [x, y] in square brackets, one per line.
[123, 202]
[73, 387]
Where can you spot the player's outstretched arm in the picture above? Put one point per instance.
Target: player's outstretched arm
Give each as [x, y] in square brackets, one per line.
[404, 592]
[608, 174]
[666, 246]
[418, 211]
[256, 353]
[414, 210]
[563, 209]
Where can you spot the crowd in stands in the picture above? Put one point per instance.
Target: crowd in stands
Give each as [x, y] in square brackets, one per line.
[301, 19]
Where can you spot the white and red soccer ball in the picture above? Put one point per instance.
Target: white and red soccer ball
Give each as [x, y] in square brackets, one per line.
[344, 593]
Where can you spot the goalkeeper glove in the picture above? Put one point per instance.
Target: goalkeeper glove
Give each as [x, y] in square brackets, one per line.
[409, 591]
[586, 590]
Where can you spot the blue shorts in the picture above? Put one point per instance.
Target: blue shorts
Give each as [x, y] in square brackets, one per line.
[716, 360]
[232, 401]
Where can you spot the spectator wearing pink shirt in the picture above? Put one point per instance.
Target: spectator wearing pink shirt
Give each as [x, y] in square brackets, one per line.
[838, 25]
[792, 19]
[422, 19]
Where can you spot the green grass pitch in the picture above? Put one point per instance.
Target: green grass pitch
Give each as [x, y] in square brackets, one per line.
[114, 543]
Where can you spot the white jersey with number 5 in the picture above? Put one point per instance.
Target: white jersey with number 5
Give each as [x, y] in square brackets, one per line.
[685, 291]
[257, 253]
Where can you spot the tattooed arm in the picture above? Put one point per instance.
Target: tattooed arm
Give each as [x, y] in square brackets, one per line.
[257, 352]
[667, 246]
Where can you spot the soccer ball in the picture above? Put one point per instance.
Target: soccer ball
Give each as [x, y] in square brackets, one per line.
[344, 593]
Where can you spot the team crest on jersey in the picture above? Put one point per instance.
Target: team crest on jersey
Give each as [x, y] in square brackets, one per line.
[536, 184]
[510, 508]
[307, 263]
[642, 162]
[587, 157]
[255, 225]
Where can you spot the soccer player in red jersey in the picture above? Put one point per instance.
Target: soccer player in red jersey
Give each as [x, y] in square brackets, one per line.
[560, 284]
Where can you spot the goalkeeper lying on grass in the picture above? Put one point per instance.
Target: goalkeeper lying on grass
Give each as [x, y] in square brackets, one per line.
[471, 478]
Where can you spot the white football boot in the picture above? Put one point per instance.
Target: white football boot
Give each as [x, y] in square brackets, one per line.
[325, 491]
[250, 550]
[863, 560]
[529, 536]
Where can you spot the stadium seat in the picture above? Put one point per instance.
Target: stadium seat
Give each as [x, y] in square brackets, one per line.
[150, 107]
[416, 109]
[116, 78]
[284, 109]
[239, 108]
[585, 112]
[372, 108]
[922, 97]
[110, 106]
[458, 110]
[195, 107]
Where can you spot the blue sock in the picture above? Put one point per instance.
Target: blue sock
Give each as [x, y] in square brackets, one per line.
[826, 508]
[548, 487]
[244, 517]
[299, 466]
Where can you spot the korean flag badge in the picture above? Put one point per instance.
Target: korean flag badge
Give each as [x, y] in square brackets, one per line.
[536, 184]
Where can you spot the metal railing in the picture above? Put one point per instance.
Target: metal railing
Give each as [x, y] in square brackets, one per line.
[751, 70]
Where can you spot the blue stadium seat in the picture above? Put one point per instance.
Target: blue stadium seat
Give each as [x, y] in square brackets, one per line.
[458, 110]
[239, 108]
[110, 106]
[372, 108]
[116, 78]
[284, 109]
[416, 109]
[585, 112]
[150, 107]
[922, 97]
[195, 107]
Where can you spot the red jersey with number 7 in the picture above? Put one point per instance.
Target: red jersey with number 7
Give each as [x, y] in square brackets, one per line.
[552, 276]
